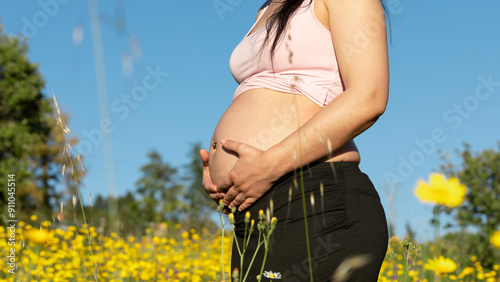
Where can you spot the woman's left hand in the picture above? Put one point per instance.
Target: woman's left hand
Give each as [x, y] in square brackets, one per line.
[253, 174]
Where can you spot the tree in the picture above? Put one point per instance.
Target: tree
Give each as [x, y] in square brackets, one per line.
[160, 197]
[161, 194]
[131, 217]
[31, 147]
[480, 172]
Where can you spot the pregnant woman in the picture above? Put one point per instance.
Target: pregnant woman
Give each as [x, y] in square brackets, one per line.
[312, 74]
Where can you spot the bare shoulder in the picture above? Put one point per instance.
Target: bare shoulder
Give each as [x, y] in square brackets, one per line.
[261, 9]
[353, 7]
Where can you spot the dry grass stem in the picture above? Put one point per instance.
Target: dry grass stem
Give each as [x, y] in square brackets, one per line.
[345, 269]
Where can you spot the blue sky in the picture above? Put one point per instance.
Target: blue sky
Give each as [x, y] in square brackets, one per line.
[445, 84]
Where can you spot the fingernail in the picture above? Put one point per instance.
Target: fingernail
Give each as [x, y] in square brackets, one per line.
[223, 141]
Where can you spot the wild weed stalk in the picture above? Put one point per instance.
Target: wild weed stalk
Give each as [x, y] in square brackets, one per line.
[68, 152]
[265, 226]
[410, 253]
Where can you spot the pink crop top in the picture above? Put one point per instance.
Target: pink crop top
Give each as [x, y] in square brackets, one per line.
[313, 71]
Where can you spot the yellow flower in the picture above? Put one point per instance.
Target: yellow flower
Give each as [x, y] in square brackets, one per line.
[156, 240]
[33, 218]
[124, 273]
[274, 221]
[468, 270]
[144, 275]
[495, 239]
[441, 265]
[40, 236]
[450, 192]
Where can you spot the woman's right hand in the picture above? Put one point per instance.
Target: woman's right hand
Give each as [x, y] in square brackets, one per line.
[207, 183]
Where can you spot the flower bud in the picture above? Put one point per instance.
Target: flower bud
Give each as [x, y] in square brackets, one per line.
[274, 221]
[236, 274]
[261, 215]
[220, 206]
[420, 248]
[233, 210]
[412, 246]
[231, 218]
[393, 255]
[247, 217]
[252, 222]
[405, 243]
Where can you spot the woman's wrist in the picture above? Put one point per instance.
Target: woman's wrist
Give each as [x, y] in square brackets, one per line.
[281, 159]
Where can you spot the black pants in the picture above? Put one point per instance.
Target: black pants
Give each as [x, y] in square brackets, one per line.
[346, 220]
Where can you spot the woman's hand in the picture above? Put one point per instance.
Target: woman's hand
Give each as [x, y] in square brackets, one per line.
[253, 174]
[211, 189]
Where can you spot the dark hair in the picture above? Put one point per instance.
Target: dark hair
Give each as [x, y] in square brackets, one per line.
[279, 20]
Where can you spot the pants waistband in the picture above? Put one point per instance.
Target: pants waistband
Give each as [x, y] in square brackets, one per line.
[318, 169]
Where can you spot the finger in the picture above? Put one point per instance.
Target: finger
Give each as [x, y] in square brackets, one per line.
[204, 157]
[238, 200]
[225, 184]
[234, 146]
[206, 182]
[246, 204]
[206, 179]
[216, 197]
[231, 194]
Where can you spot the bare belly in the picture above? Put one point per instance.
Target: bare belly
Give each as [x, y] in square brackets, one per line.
[263, 118]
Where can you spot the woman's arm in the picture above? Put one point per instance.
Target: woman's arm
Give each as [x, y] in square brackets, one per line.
[359, 35]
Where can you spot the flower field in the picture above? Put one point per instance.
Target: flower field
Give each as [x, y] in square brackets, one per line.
[81, 254]
[52, 251]
[75, 253]
[406, 262]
